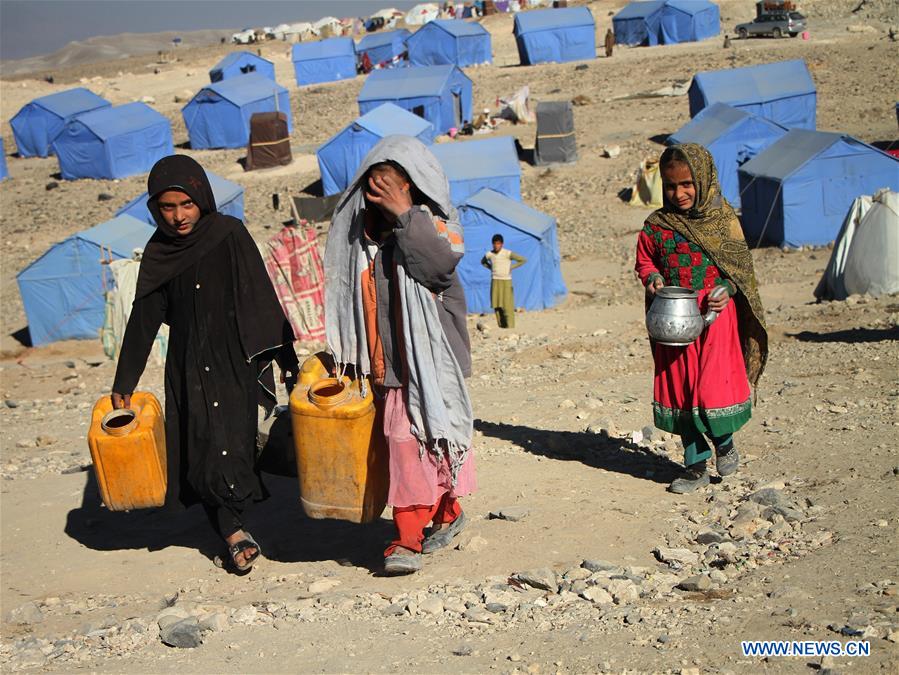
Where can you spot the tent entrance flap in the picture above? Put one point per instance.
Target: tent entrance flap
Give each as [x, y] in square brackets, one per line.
[457, 108]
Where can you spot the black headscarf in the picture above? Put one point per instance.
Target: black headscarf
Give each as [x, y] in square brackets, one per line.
[261, 321]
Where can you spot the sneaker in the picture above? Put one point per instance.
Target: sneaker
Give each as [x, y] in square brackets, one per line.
[727, 462]
[405, 562]
[693, 478]
[442, 537]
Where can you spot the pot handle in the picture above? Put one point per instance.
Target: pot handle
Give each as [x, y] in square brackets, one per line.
[710, 316]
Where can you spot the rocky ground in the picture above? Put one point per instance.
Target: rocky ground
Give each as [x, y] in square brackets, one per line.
[576, 559]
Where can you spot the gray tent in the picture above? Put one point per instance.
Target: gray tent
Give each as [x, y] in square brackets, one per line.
[555, 133]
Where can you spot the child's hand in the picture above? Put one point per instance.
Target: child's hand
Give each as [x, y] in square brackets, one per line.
[653, 286]
[718, 302]
[392, 198]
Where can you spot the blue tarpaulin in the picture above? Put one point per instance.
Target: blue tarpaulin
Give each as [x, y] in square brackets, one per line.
[324, 61]
[797, 191]
[733, 136]
[62, 291]
[471, 166]
[113, 142]
[35, 126]
[241, 63]
[665, 22]
[228, 200]
[382, 48]
[783, 92]
[439, 94]
[450, 41]
[555, 35]
[4, 172]
[340, 157]
[537, 284]
[218, 116]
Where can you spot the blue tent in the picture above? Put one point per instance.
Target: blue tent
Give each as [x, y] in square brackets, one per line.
[783, 92]
[228, 200]
[4, 172]
[538, 283]
[113, 142]
[798, 190]
[241, 63]
[324, 61]
[450, 41]
[37, 123]
[218, 116]
[439, 94]
[555, 35]
[383, 48]
[62, 291]
[471, 166]
[733, 136]
[341, 155]
[665, 22]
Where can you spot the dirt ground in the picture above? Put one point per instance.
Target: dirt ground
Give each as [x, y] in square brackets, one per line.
[603, 571]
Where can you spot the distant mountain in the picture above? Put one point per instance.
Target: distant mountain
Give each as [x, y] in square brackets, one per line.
[111, 47]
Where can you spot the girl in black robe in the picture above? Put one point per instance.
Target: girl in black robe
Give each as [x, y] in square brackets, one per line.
[207, 281]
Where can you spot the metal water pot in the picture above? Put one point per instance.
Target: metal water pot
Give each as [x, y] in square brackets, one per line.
[673, 318]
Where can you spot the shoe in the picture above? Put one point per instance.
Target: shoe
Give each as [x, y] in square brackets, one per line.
[442, 537]
[727, 462]
[694, 477]
[402, 563]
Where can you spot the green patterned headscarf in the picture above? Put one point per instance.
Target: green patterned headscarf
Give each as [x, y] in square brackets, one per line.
[713, 225]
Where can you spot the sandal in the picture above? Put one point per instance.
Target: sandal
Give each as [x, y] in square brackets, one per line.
[236, 549]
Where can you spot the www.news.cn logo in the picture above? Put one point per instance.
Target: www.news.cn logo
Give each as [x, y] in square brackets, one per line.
[805, 648]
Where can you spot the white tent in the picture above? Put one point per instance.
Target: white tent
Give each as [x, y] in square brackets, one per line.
[422, 14]
[865, 256]
[386, 14]
[326, 22]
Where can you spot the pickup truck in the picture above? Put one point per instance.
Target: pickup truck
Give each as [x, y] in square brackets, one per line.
[776, 25]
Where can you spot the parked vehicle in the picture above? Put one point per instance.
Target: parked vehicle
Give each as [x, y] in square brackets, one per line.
[776, 25]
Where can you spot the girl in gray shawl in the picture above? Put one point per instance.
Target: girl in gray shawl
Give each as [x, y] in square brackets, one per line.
[395, 312]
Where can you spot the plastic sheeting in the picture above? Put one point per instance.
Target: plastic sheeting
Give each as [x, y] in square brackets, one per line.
[647, 190]
[471, 166]
[119, 300]
[733, 136]
[293, 261]
[537, 284]
[555, 35]
[422, 14]
[63, 290]
[228, 200]
[440, 94]
[341, 155]
[384, 48]
[241, 63]
[324, 61]
[797, 191]
[782, 92]
[556, 142]
[113, 142]
[450, 41]
[664, 22]
[832, 286]
[872, 265]
[218, 116]
[36, 125]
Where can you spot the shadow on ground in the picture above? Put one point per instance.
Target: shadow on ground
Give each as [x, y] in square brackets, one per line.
[594, 450]
[849, 335]
[278, 524]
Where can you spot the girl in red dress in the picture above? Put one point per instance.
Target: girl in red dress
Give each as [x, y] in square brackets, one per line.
[702, 391]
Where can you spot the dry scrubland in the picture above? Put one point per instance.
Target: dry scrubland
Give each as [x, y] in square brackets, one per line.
[801, 544]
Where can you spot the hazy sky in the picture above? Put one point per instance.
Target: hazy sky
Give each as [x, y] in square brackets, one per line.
[34, 27]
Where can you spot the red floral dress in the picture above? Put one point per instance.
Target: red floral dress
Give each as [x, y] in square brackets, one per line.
[702, 386]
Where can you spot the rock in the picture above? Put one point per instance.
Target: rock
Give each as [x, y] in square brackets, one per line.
[597, 595]
[454, 605]
[26, 443]
[184, 634]
[44, 441]
[245, 615]
[475, 544]
[483, 327]
[718, 577]
[26, 614]
[744, 528]
[496, 607]
[787, 512]
[567, 403]
[10, 403]
[215, 623]
[514, 657]
[147, 99]
[604, 428]
[600, 566]
[463, 650]
[768, 497]
[662, 639]
[708, 535]
[432, 605]
[676, 557]
[623, 591]
[52, 185]
[543, 578]
[611, 151]
[510, 513]
[697, 583]
[396, 609]
[478, 614]
[104, 197]
[323, 585]
[577, 574]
